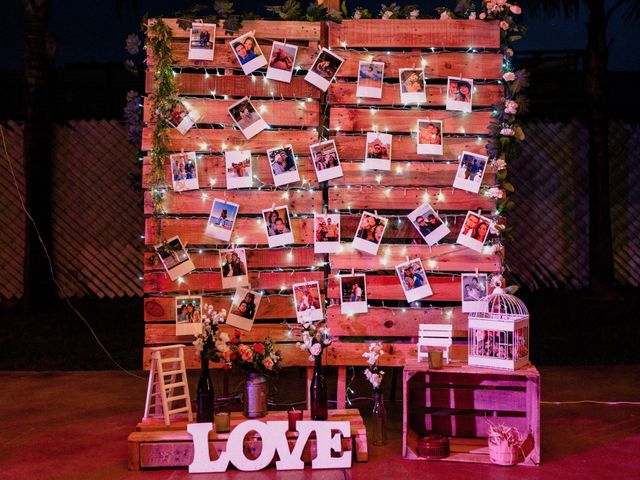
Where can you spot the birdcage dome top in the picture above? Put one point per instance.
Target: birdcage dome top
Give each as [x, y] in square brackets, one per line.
[503, 306]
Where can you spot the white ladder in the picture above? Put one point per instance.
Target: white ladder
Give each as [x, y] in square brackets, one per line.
[171, 366]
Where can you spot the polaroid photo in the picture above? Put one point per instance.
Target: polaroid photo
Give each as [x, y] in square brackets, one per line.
[283, 165]
[282, 61]
[238, 169]
[202, 41]
[308, 301]
[378, 151]
[244, 308]
[474, 231]
[430, 139]
[370, 233]
[184, 171]
[471, 168]
[324, 69]
[188, 315]
[174, 257]
[353, 293]
[183, 118]
[278, 226]
[459, 93]
[248, 53]
[247, 118]
[370, 78]
[413, 280]
[429, 225]
[221, 219]
[233, 267]
[474, 291]
[326, 233]
[412, 89]
[326, 161]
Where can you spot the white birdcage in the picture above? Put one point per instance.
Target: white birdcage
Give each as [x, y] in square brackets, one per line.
[499, 336]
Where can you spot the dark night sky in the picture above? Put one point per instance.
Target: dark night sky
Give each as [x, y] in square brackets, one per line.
[91, 31]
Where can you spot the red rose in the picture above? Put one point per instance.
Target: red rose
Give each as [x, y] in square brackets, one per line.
[236, 333]
[233, 356]
[258, 348]
[234, 340]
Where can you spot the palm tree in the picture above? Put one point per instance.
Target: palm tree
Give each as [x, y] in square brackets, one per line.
[596, 66]
[38, 51]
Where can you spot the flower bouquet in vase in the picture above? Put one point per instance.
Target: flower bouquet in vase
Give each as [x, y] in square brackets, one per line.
[505, 445]
[314, 340]
[259, 359]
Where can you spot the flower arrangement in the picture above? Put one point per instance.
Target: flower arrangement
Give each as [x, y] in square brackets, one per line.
[505, 444]
[505, 435]
[373, 372]
[259, 357]
[314, 338]
[211, 343]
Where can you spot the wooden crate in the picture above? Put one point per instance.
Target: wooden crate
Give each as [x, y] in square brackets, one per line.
[459, 402]
[154, 445]
[294, 113]
[413, 179]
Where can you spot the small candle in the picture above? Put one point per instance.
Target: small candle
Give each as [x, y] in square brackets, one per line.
[222, 422]
[294, 416]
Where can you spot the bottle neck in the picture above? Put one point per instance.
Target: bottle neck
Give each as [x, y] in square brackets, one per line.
[318, 363]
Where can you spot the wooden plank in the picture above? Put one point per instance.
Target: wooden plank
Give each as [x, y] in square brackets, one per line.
[292, 356]
[246, 232]
[211, 171]
[404, 121]
[407, 174]
[201, 281]
[220, 140]
[224, 58]
[406, 199]
[395, 230]
[256, 258]
[352, 147]
[468, 425]
[414, 33]
[277, 113]
[475, 399]
[345, 93]
[387, 287]
[238, 86]
[165, 333]
[443, 258]
[483, 66]
[269, 29]
[383, 322]
[162, 309]
[196, 202]
[395, 354]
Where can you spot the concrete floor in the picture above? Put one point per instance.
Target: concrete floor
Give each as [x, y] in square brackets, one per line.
[74, 425]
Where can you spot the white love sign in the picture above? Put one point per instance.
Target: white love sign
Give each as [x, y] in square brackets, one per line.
[274, 439]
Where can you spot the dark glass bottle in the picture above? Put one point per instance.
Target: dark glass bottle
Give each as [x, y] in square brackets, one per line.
[379, 434]
[204, 392]
[318, 392]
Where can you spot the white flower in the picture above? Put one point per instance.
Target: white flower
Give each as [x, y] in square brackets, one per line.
[387, 15]
[515, 9]
[510, 107]
[413, 14]
[224, 337]
[509, 77]
[508, 132]
[315, 349]
[483, 16]
[495, 192]
[472, 16]
[357, 15]
[445, 16]
[504, 25]
[500, 164]
[221, 346]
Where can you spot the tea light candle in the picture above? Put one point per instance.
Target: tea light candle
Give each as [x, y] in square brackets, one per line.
[222, 422]
[294, 416]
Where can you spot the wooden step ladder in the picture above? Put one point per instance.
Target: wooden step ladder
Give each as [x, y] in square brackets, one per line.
[160, 391]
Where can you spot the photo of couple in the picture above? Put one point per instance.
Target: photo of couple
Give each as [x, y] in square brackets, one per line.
[470, 172]
[184, 171]
[325, 160]
[188, 315]
[278, 226]
[327, 233]
[248, 53]
[174, 257]
[430, 137]
[238, 168]
[283, 165]
[413, 280]
[244, 309]
[306, 297]
[474, 290]
[353, 289]
[202, 41]
[370, 77]
[247, 118]
[412, 89]
[233, 266]
[459, 94]
[428, 223]
[378, 154]
[370, 233]
[324, 69]
[474, 231]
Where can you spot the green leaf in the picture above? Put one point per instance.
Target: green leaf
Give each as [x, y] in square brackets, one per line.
[508, 187]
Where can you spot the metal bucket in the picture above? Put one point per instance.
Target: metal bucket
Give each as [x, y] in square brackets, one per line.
[256, 390]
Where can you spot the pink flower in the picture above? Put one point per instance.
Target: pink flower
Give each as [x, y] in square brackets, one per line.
[508, 132]
[247, 356]
[483, 16]
[268, 363]
[509, 77]
[515, 9]
[258, 347]
[495, 192]
[508, 52]
[242, 349]
[504, 25]
[501, 164]
[510, 107]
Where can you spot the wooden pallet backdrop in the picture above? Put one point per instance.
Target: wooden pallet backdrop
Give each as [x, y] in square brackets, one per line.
[296, 114]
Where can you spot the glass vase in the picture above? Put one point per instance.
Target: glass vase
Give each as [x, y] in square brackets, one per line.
[204, 392]
[379, 433]
[318, 392]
